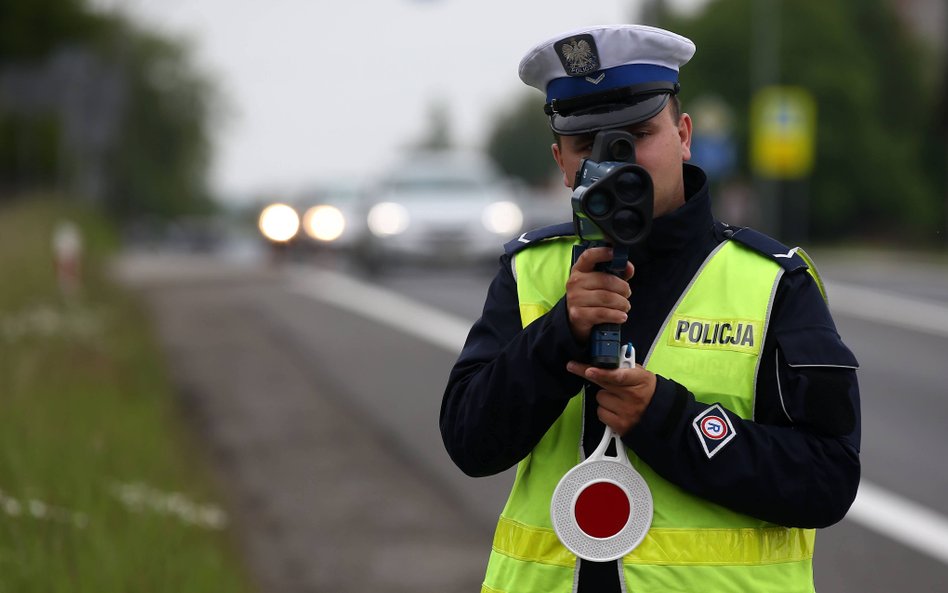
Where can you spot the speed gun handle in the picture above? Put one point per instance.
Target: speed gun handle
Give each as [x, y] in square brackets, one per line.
[605, 338]
[604, 342]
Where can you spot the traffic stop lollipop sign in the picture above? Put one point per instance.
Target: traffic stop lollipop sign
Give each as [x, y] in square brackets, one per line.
[602, 508]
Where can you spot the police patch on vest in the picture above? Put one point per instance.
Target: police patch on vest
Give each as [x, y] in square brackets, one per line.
[714, 430]
[739, 335]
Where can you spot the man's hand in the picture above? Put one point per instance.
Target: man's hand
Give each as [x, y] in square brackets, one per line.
[596, 297]
[624, 396]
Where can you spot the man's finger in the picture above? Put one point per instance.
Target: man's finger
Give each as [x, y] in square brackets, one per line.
[598, 297]
[577, 368]
[608, 417]
[588, 259]
[607, 378]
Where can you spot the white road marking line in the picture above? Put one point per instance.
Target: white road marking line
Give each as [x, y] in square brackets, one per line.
[850, 300]
[384, 306]
[902, 520]
[875, 508]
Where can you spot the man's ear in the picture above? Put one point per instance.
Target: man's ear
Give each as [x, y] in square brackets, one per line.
[684, 134]
[558, 157]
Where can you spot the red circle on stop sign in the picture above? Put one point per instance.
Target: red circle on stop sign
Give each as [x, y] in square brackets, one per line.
[602, 509]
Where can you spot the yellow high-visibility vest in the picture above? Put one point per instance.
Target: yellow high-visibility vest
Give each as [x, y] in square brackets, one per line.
[710, 343]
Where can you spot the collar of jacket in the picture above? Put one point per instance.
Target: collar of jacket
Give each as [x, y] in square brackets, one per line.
[673, 232]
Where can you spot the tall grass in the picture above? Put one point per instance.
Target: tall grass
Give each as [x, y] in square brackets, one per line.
[100, 488]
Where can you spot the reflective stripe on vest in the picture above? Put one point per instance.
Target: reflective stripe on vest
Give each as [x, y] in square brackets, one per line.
[689, 536]
[665, 546]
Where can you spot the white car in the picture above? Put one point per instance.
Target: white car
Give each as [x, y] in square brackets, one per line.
[445, 207]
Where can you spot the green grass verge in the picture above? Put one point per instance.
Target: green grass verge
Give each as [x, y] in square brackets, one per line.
[100, 486]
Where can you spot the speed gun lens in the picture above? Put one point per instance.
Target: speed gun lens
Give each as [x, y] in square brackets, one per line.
[622, 150]
[598, 204]
[629, 186]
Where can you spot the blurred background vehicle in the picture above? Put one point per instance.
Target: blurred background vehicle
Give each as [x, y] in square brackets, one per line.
[440, 207]
[332, 216]
[279, 223]
[328, 219]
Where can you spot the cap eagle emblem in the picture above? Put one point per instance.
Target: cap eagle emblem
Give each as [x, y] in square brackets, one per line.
[579, 57]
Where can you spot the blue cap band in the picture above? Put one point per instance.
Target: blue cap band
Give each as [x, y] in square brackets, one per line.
[618, 77]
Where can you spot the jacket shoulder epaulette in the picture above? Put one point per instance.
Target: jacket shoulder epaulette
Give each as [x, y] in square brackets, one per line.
[787, 257]
[533, 237]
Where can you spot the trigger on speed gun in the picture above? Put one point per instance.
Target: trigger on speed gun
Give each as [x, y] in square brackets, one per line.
[612, 207]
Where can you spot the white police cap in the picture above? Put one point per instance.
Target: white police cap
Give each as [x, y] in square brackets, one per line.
[606, 76]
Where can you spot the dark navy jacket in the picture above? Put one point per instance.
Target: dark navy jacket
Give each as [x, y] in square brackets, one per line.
[795, 464]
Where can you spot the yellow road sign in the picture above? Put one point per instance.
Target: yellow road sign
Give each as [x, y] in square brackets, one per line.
[783, 132]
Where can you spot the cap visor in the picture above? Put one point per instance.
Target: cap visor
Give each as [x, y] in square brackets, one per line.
[604, 117]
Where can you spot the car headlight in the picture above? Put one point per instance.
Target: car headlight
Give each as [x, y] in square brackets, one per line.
[387, 218]
[279, 222]
[324, 223]
[503, 218]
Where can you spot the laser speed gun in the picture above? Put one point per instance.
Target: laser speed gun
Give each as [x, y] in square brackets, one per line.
[612, 206]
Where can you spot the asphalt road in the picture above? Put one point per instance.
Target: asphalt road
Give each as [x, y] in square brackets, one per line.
[348, 351]
[323, 491]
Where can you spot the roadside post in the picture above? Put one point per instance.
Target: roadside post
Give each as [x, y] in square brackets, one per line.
[782, 150]
[67, 256]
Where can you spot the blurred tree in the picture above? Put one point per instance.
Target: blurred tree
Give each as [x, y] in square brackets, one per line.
[519, 139]
[95, 107]
[32, 30]
[163, 150]
[874, 96]
[936, 146]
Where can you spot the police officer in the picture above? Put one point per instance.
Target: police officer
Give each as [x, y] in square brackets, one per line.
[742, 412]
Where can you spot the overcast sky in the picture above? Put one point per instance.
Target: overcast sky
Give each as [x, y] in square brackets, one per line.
[318, 88]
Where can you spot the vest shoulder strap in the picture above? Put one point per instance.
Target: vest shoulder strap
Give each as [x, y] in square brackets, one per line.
[533, 237]
[786, 257]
